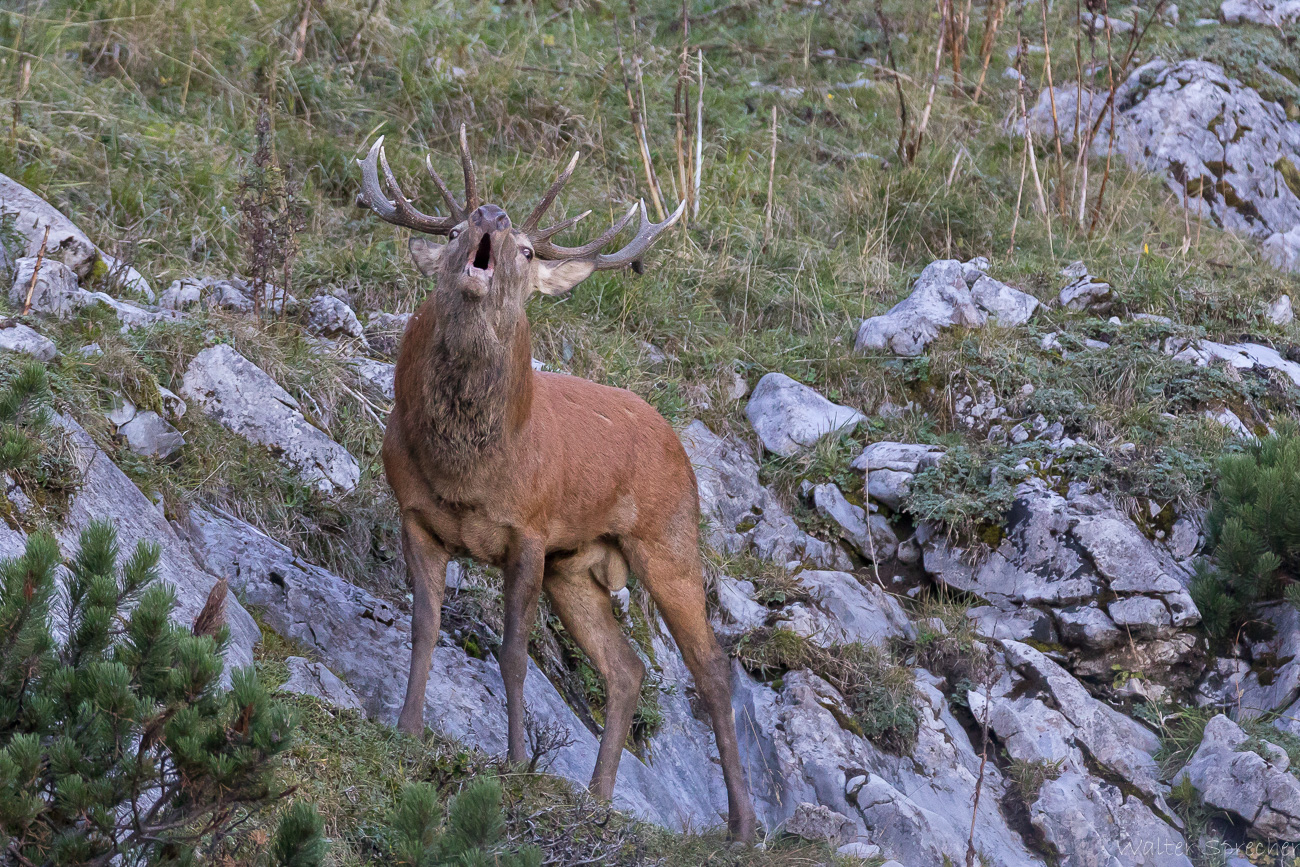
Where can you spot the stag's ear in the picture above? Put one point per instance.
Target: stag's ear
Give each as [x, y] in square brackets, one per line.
[426, 254]
[557, 278]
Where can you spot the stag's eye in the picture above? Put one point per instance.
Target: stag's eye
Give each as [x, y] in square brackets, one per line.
[453, 234]
[528, 253]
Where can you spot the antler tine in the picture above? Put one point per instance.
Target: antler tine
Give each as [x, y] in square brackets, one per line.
[645, 236]
[542, 234]
[540, 211]
[547, 250]
[400, 212]
[455, 207]
[467, 165]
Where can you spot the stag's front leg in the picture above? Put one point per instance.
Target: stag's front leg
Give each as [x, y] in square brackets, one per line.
[523, 584]
[426, 565]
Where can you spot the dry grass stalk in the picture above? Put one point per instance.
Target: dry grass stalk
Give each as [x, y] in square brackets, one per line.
[36, 272]
[699, 139]
[1056, 127]
[681, 111]
[771, 181]
[299, 42]
[915, 145]
[638, 127]
[992, 20]
[1110, 146]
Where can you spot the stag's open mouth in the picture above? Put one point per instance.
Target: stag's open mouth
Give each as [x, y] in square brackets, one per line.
[483, 256]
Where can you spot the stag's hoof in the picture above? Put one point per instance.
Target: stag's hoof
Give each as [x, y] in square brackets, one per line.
[741, 830]
[411, 724]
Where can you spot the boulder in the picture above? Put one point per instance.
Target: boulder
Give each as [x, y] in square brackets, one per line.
[367, 642]
[1257, 788]
[32, 215]
[1280, 311]
[106, 493]
[741, 514]
[1272, 687]
[244, 399]
[314, 679]
[1119, 744]
[1064, 552]
[57, 292]
[790, 417]
[148, 433]
[916, 808]
[384, 331]
[889, 488]
[16, 337]
[380, 374]
[900, 457]
[330, 316]
[847, 611]
[1220, 147]
[1003, 304]
[871, 536]
[740, 613]
[122, 277]
[1092, 823]
[1269, 13]
[819, 824]
[939, 299]
[1242, 356]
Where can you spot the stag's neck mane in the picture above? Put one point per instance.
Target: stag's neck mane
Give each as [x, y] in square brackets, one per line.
[463, 395]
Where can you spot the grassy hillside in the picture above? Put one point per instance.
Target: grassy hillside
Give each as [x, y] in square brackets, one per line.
[138, 119]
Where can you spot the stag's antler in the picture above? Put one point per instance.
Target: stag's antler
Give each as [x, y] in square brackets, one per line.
[646, 233]
[399, 211]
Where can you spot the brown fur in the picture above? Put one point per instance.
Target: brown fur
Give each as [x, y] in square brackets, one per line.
[562, 483]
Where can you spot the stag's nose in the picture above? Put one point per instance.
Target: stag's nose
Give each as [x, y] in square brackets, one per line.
[490, 218]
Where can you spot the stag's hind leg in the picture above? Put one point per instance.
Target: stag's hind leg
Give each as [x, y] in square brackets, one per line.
[673, 573]
[581, 601]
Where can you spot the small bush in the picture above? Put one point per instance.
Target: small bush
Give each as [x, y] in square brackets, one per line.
[472, 835]
[879, 692]
[965, 492]
[1028, 777]
[1253, 529]
[32, 452]
[119, 746]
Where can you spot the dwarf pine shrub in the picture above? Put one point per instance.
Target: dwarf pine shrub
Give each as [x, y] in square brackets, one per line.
[473, 834]
[1253, 531]
[117, 743]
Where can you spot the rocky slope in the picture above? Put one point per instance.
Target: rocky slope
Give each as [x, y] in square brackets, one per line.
[1077, 616]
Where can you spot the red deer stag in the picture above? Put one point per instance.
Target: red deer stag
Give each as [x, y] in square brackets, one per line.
[560, 482]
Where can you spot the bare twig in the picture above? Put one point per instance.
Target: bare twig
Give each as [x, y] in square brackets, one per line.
[36, 271]
[898, 84]
[1110, 145]
[979, 781]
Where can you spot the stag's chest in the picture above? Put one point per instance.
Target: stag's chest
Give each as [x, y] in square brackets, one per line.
[479, 530]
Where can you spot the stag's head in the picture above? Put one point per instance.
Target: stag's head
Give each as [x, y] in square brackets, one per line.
[489, 264]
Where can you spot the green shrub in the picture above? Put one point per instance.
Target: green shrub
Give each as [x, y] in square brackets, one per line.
[119, 745]
[964, 491]
[31, 450]
[1253, 531]
[879, 691]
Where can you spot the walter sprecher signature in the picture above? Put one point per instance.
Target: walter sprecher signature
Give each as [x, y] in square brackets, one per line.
[1262, 853]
